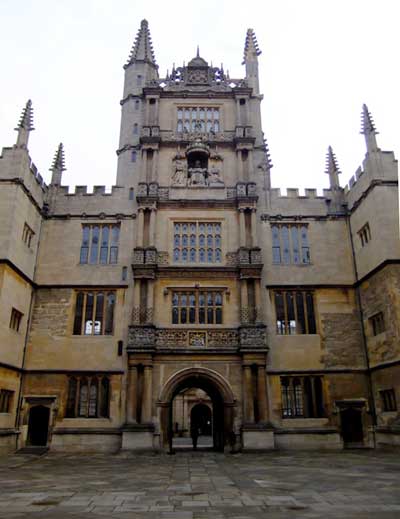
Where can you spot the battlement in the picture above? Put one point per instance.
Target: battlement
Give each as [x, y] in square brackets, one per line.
[85, 190]
[37, 176]
[309, 193]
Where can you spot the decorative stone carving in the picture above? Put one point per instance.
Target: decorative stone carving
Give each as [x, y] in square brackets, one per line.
[255, 256]
[142, 189]
[153, 189]
[151, 255]
[179, 178]
[252, 189]
[231, 259]
[142, 315]
[162, 258]
[198, 339]
[163, 193]
[223, 338]
[197, 175]
[167, 338]
[243, 256]
[141, 337]
[213, 177]
[241, 189]
[253, 337]
[138, 256]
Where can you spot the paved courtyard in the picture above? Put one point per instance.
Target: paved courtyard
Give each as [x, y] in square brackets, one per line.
[197, 485]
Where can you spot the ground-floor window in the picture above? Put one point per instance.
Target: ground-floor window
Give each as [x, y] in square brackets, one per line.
[302, 397]
[388, 398]
[88, 397]
[5, 400]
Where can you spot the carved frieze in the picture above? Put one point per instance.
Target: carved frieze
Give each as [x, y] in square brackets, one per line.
[141, 337]
[253, 337]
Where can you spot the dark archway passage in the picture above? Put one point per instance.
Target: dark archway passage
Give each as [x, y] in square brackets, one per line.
[201, 418]
[38, 426]
[221, 398]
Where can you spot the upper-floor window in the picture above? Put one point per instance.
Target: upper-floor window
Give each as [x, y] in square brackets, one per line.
[198, 119]
[15, 319]
[365, 234]
[197, 307]
[88, 397]
[99, 244]
[137, 104]
[290, 244]
[302, 397]
[133, 156]
[294, 312]
[197, 242]
[377, 323]
[388, 398]
[5, 400]
[94, 313]
[27, 235]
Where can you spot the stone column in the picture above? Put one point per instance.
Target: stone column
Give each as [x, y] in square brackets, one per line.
[262, 394]
[250, 163]
[244, 301]
[257, 299]
[153, 216]
[154, 166]
[238, 117]
[254, 227]
[143, 172]
[242, 228]
[150, 301]
[140, 227]
[147, 393]
[248, 395]
[239, 162]
[131, 395]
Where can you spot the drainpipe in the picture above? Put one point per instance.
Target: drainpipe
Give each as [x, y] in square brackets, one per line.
[364, 337]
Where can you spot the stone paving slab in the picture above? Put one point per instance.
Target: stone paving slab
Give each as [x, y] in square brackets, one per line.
[202, 485]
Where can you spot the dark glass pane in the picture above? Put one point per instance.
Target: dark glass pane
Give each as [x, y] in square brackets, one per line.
[105, 392]
[276, 254]
[210, 316]
[304, 237]
[285, 245]
[218, 255]
[192, 315]
[295, 245]
[218, 316]
[275, 236]
[201, 299]
[98, 321]
[89, 314]
[93, 398]
[298, 397]
[209, 240]
[202, 240]
[301, 320]
[218, 298]
[305, 255]
[202, 316]
[290, 312]
[183, 315]
[185, 240]
[310, 313]
[177, 240]
[309, 410]
[175, 316]
[192, 255]
[109, 322]
[193, 240]
[105, 233]
[176, 254]
[115, 235]
[209, 255]
[184, 255]
[94, 250]
[72, 387]
[84, 255]
[114, 255]
[175, 299]
[85, 236]
[103, 255]
[78, 314]
[202, 255]
[280, 313]
[319, 398]
[83, 398]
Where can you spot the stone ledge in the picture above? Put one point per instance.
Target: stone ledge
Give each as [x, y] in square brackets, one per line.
[83, 430]
[9, 432]
[307, 430]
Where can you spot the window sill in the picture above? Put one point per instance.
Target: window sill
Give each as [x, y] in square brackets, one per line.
[292, 264]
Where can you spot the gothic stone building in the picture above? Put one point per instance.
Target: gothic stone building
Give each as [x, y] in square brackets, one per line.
[193, 275]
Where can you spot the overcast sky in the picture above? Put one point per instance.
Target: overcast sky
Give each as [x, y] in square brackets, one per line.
[321, 60]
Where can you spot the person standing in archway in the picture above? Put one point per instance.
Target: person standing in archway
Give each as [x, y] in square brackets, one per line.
[194, 433]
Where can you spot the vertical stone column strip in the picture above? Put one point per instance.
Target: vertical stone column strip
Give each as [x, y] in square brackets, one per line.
[140, 227]
[242, 228]
[154, 166]
[150, 301]
[147, 393]
[248, 395]
[244, 302]
[251, 164]
[153, 216]
[131, 395]
[257, 300]
[262, 394]
[239, 163]
[254, 227]
[238, 115]
[143, 171]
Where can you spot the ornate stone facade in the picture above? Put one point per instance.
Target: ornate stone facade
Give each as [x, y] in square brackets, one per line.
[195, 277]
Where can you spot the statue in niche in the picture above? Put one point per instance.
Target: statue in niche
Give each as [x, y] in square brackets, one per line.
[213, 177]
[179, 177]
[197, 175]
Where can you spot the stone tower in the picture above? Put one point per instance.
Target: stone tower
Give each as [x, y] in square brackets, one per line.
[193, 295]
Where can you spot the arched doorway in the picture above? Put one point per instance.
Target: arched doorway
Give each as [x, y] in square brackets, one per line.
[201, 418]
[38, 425]
[219, 393]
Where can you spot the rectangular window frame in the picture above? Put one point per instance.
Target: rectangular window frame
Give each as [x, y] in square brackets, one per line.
[290, 244]
[15, 319]
[388, 399]
[6, 399]
[27, 235]
[377, 322]
[198, 119]
[197, 310]
[100, 244]
[302, 397]
[198, 252]
[95, 404]
[295, 312]
[364, 234]
[100, 306]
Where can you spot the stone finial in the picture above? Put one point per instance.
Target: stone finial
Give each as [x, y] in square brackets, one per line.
[251, 50]
[58, 166]
[142, 49]
[25, 125]
[368, 129]
[332, 169]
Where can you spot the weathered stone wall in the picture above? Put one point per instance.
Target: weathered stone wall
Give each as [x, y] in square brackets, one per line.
[51, 311]
[342, 340]
[381, 293]
[387, 378]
